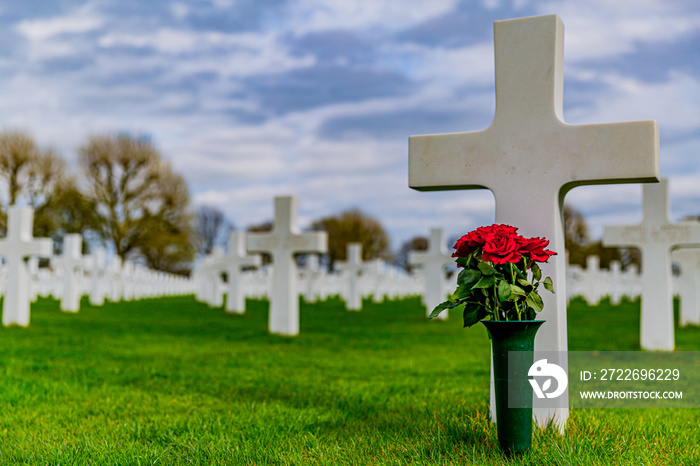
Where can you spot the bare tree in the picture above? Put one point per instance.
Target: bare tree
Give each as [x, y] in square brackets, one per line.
[141, 205]
[575, 235]
[17, 152]
[212, 227]
[34, 177]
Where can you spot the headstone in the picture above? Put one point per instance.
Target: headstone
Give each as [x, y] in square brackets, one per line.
[17, 246]
[33, 268]
[689, 285]
[97, 268]
[212, 268]
[595, 283]
[236, 258]
[311, 276]
[433, 262]
[377, 272]
[351, 268]
[655, 237]
[115, 279]
[127, 279]
[530, 158]
[282, 243]
[71, 262]
[632, 282]
[45, 279]
[616, 291]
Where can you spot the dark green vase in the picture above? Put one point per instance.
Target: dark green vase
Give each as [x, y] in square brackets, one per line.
[514, 424]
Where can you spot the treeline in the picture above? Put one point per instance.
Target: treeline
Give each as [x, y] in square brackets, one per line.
[124, 194]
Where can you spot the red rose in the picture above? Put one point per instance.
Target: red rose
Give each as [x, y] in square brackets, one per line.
[477, 238]
[504, 228]
[469, 242]
[534, 248]
[502, 245]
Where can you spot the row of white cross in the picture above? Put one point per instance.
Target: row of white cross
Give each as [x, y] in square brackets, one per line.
[116, 282]
[592, 283]
[356, 281]
[283, 242]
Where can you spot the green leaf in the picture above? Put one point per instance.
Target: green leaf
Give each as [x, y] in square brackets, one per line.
[534, 301]
[526, 285]
[486, 281]
[486, 268]
[548, 285]
[456, 304]
[462, 261]
[439, 308]
[503, 290]
[468, 277]
[462, 291]
[473, 313]
[536, 272]
[516, 293]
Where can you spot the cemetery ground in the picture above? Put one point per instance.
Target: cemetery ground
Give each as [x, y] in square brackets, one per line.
[170, 381]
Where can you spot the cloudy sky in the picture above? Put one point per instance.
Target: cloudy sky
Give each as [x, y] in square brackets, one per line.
[255, 98]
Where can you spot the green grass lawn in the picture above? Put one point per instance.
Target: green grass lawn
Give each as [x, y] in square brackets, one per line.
[170, 382]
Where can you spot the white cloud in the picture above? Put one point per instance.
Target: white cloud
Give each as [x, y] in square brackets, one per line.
[223, 4]
[232, 55]
[78, 22]
[320, 15]
[164, 40]
[673, 103]
[179, 10]
[685, 186]
[450, 68]
[601, 28]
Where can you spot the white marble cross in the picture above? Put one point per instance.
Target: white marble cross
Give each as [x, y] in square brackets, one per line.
[237, 257]
[212, 268]
[96, 263]
[615, 286]
[688, 286]
[282, 243]
[311, 275]
[71, 262]
[352, 268]
[530, 158]
[376, 270]
[115, 279]
[655, 237]
[16, 247]
[433, 262]
[127, 280]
